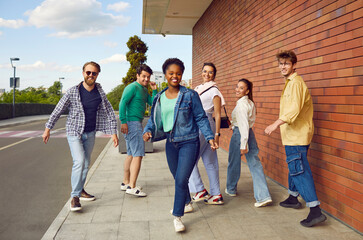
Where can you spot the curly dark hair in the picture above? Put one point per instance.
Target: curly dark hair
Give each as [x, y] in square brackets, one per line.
[144, 67]
[171, 61]
[287, 54]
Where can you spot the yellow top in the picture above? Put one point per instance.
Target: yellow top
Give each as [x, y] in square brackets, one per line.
[296, 109]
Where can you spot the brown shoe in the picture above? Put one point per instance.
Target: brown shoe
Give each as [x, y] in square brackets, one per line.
[86, 197]
[75, 205]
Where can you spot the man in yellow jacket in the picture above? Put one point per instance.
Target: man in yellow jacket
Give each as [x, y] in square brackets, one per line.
[297, 129]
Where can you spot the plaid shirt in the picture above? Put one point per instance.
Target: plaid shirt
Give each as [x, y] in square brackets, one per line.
[105, 120]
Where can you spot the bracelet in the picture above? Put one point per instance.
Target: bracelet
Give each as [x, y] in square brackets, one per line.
[218, 134]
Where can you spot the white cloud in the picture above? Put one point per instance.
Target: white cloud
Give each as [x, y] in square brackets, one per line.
[109, 44]
[6, 65]
[114, 58]
[73, 19]
[1, 33]
[118, 7]
[12, 23]
[35, 66]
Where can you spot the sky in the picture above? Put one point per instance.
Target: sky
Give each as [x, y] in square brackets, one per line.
[54, 38]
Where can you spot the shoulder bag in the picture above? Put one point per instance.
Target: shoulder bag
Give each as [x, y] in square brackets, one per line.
[225, 123]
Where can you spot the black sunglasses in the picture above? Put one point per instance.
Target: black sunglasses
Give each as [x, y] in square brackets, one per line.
[93, 73]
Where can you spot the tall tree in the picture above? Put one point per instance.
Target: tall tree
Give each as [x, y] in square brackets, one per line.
[136, 56]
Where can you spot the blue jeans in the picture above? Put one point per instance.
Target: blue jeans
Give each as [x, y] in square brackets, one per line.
[81, 149]
[134, 143]
[181, 157]
[210, 161]
[300, 177]
[260, 188]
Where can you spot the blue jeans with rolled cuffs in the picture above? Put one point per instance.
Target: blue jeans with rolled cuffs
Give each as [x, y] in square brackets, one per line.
[81, 149]
[181, 157]
[260, 189]
[210, 161]
[300, 177]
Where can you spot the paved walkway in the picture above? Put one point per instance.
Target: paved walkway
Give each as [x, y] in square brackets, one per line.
[115, 215]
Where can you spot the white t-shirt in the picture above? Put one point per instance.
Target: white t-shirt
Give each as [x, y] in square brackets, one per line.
[207, 99]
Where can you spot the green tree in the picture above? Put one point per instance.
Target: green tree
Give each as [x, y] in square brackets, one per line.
[136, 56]
[34, 95]
[115, 95]
[164, 85]
[55, 88]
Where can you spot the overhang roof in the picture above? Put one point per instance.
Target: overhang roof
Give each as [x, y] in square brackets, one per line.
[172, 16]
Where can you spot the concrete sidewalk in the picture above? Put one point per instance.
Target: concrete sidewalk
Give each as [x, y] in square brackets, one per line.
[115, 215]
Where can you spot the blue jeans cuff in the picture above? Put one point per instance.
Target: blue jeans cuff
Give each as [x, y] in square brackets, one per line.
[295, 194]
[313, 204]
[268, 198]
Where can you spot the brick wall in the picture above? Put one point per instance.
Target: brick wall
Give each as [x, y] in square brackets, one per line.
[242, 37]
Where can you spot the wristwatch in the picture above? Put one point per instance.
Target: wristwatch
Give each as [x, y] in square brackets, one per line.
[218, 134]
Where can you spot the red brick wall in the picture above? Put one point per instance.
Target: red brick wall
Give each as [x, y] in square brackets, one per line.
[242, 37]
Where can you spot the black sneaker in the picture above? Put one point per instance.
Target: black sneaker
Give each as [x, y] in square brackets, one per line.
[314, 221]
[75, 205]
[291, 202]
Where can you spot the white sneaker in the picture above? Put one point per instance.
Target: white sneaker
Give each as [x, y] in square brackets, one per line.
[187, 209]
[123, 186]
[264, 203]
[230, 194]
[178, 225]
[136, 191]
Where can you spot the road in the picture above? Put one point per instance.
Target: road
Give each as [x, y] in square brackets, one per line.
[34, 178]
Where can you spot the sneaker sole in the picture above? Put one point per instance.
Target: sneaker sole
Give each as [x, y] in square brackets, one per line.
[295, 206]
[180, 230]
[230, 194]
[257, 205]
[214, 203]
[315, 221]
[87, 199]
[136, 195]
[75, 209]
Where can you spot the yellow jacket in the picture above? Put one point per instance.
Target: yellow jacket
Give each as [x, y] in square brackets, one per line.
[296, 109]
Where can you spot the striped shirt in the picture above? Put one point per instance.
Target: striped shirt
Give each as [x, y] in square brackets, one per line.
[105, 120]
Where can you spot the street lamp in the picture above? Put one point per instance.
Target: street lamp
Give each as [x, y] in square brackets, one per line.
[61, 93]
[14, 82]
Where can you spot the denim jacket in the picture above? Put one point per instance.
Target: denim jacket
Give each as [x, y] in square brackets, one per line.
[189, 117]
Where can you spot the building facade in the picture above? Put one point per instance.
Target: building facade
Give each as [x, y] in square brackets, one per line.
[158, 78]
[241, 37]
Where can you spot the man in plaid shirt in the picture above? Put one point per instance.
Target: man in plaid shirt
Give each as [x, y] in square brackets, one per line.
[89, 111]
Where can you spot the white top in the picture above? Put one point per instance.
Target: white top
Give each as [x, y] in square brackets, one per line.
[207, 99]
[243, 117]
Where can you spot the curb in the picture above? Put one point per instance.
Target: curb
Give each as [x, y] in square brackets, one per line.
[57, 223]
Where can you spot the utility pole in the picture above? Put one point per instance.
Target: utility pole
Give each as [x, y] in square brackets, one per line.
[14, 82]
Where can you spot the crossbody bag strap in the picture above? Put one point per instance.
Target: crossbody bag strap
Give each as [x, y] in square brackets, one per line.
[225, 111]
[208, 89]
